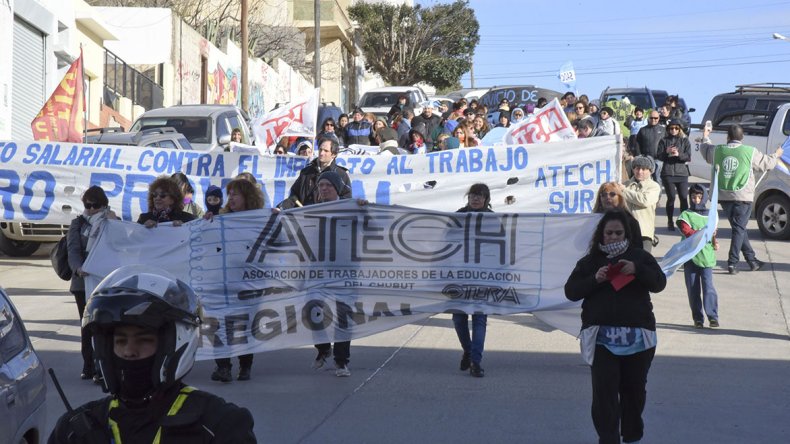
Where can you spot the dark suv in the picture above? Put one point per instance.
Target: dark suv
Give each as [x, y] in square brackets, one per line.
[726, 108]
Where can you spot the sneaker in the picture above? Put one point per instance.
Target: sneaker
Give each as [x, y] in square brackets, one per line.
[320, 360]
[756, 264]
[222, 374]
[476, 371]
[713, 323]
[342, 370]
[244, 374]
[466, 361]
[87, 373]
[698, 324]
[731, 269]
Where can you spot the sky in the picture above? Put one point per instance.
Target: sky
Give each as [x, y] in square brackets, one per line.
[693, 48]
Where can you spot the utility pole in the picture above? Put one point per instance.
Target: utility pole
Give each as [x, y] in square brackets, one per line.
[472, 74]
[245, 90]
[317, 54]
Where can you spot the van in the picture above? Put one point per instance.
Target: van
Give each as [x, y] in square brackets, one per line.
[379, 101]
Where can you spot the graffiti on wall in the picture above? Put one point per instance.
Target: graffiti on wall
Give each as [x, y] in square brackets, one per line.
[224, 87]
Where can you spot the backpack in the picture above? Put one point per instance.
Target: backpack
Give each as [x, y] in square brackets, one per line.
[60, 259]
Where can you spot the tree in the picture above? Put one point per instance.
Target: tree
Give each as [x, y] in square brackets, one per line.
[406, 45]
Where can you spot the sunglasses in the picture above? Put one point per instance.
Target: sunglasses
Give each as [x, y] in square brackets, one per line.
[614, 232]
[330, 124]
[654, 118]
[579, 107]
[91, 205]
[160, 195]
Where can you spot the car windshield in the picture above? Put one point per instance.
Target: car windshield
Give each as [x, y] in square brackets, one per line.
[380, 99]
[641, 100]
[196, 129]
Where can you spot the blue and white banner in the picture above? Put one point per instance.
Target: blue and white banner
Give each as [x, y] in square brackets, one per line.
[341, 271]
[567, 75]
[43, 182]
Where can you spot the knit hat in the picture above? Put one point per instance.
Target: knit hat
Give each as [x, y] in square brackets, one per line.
[333, 178]
[213, 191]
[643, 162]
[452, 143]
[386, 134]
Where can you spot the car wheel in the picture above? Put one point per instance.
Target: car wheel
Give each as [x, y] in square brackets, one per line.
[15, 248]
[773, 217]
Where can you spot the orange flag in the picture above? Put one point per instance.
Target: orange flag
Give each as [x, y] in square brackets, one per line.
[61, 119]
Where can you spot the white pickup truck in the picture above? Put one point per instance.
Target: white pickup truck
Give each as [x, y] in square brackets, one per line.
[766, 131]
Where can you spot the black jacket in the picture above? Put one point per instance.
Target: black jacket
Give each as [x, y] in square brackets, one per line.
[183, 216]
[431, 124]
[647, 140]
[674, 165]
[358, 133]
[203, 418]
[602, 305]
[305, 189]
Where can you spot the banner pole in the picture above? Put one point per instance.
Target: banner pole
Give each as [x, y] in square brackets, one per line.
[84, 104]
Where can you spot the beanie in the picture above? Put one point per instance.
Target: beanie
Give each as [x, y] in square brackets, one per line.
[334, 179]
[643, 162]
[214, 191]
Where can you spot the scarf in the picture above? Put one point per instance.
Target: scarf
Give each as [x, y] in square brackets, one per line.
[614, 249]
[95, 223]
[161, 216]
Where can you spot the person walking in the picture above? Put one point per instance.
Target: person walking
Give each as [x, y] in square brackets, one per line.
[698, 272]
[618, 336]
[80, 239]
[641, 196]
[478, 199]
[736, 165]
[145, 327]
[646, 143]
[674, 150]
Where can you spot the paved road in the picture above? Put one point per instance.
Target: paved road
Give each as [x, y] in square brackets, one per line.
[728, 385]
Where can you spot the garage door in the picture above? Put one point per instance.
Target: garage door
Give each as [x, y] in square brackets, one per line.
[27, 78]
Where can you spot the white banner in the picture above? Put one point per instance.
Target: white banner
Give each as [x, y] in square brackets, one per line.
[341, 271]
[297, 119]
[548, 124]
[43, 182]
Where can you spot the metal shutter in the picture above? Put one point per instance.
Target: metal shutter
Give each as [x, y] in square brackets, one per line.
[27, 78]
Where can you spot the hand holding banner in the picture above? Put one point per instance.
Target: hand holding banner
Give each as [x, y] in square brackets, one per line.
[297, 119]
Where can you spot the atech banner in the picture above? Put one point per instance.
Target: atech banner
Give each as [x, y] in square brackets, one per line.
[43, 182]
[341, 271]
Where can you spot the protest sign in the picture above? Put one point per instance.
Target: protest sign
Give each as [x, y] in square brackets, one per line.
[297, 119]
[340, 271]
[548, 124]
[43, 182]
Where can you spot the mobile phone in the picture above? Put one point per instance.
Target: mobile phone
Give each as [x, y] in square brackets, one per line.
[708, 125]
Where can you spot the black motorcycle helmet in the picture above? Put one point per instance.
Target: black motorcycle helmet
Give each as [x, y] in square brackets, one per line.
[153, 299]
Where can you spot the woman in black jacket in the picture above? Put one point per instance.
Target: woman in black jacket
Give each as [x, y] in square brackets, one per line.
[83, 232]
[675, 151]
[618, 337]
[165, 204]
[478, 200]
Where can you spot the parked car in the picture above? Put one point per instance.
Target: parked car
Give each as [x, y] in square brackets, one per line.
[207, 127]
[23, 415]
[757, 97]
[164, 137]
[764, 130]
[379, 100]
[646, 98]
[327, 110]
[467, 93]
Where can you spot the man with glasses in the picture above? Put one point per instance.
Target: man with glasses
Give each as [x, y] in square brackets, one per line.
[646, 143]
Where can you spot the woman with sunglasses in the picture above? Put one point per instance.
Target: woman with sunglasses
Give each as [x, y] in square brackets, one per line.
[610, 197]
[580, 109]
[675, 151]
[329, 130]
[165, 204]
[82, 234]
[618, 337]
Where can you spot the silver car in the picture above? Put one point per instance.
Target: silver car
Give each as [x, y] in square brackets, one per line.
[772, 205]
[22, 386]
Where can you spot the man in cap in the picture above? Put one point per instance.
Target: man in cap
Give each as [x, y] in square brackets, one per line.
[646, 142]
[641, 196]
[737, 163]
[430, 121]
[144, 323]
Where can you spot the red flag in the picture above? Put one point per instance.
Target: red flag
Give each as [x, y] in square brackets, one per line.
[61, 120]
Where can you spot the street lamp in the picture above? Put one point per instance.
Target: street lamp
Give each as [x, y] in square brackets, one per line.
[778, 36]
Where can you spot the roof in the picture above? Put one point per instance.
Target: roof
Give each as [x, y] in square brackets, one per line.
[189, 111]
[393, 89]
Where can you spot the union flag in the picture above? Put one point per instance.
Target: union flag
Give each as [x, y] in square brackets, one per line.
[61, 119]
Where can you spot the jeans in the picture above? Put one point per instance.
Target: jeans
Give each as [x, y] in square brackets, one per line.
[85, 336]
[474, 345]
[738, 214]
[619, 394]
[341, 352]
[700, 278]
